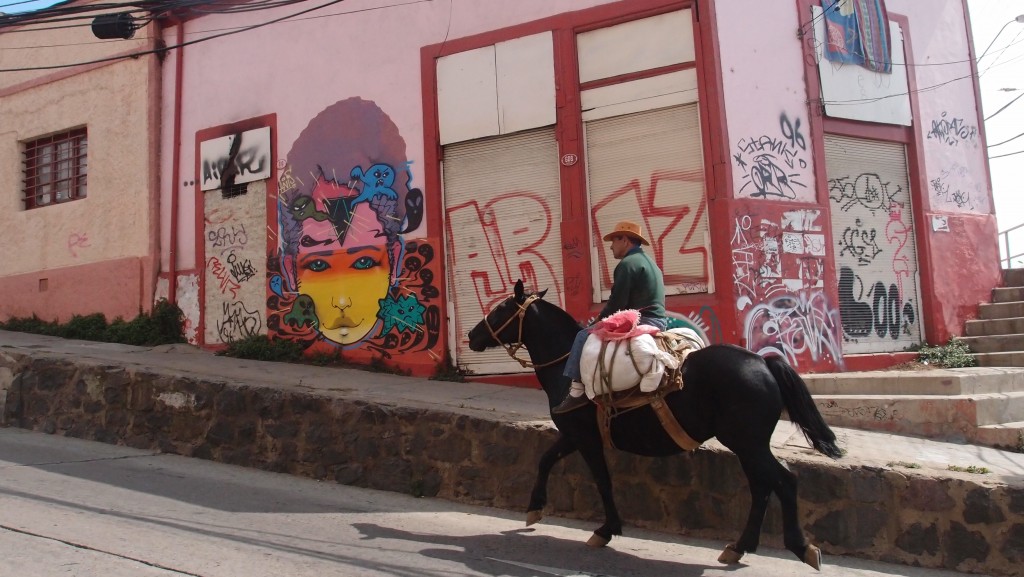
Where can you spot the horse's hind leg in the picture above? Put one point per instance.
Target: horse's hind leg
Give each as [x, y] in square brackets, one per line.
[766, 475]
[792, 536]
[539, 495]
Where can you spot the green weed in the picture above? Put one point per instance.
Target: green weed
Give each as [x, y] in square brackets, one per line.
[969, 469]
[163, 325]
[904, 464]
[953, 355]
[264, 348]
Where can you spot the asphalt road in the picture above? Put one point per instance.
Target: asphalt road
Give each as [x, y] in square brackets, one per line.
[71, 507]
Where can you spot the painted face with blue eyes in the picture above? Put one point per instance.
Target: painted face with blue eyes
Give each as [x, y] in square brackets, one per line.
[346, 282]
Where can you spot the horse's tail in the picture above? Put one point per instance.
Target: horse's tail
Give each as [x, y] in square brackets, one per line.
[801, 408]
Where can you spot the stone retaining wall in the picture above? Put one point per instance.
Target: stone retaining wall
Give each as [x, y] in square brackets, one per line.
[899, 516]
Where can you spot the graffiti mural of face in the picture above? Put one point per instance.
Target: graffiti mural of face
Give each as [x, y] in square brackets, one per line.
[345, 274]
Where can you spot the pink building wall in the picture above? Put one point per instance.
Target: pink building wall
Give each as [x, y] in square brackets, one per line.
[758, 83]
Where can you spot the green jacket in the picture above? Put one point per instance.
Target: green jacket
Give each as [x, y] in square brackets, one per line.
[637, 284]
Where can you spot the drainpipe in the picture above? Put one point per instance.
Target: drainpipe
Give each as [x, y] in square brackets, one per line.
[176, 162]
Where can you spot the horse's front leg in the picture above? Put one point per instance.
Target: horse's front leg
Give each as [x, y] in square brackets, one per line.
[593, 454]
[562, 448]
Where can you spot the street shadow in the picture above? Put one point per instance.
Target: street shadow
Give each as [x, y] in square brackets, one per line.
[525, 553]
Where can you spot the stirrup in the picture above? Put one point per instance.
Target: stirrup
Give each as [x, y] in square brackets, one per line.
[570, 403]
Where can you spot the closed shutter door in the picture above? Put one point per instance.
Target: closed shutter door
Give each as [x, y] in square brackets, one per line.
[503, 215]
[648, 168]
[875, 252]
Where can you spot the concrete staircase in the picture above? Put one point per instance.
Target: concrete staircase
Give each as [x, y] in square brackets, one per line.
[983, 405]
[978, 405]
[997, 337]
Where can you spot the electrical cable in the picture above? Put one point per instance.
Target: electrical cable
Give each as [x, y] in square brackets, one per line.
[1005, 106]
[1007, 154]
[228, 31]
[172, 47]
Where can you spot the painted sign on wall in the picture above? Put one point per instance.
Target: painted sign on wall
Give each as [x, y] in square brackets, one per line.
[235, 159]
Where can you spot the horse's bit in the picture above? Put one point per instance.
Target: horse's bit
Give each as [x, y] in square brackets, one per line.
[513, 348]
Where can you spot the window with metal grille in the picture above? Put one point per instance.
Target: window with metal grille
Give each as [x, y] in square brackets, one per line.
[55, 168]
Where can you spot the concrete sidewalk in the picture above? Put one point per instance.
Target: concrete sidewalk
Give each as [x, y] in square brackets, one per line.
[514, 403]
[891, 497]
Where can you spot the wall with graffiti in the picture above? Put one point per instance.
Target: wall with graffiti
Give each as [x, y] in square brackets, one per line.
[343, 275]
[769, 134]
[235, 240]
[778, 268]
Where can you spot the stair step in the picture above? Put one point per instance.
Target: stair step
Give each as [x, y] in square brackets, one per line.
[1007, 436]
[992, 311]
[953, 418]
[1003, 359]
[995, 343]
[935, 381]
[982, 328]
[1008, 294]
[1013, 277]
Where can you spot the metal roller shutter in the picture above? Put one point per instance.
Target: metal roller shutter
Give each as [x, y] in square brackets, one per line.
[875, 252]
[503, 214]
[648, 167]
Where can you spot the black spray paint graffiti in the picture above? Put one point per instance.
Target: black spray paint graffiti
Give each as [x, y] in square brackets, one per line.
[859, 243]
[226, 239]
[953, 131]
[238, 322]
[947, 190]
[884, 313]
[239, 162]
[773, 165]
[866, 190]
[242, 270]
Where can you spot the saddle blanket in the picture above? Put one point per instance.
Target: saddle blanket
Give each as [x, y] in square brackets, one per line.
[610, 366]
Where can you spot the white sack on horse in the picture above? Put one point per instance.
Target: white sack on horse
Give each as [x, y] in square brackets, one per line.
[630, 356]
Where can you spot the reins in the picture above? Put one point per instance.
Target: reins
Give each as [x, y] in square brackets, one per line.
[513, 348]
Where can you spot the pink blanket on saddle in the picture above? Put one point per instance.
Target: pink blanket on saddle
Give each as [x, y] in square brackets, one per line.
[622, 325]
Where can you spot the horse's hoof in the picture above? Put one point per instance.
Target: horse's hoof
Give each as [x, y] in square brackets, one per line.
[597, 541]
[730, 555]
[533, 517]
[812, 556]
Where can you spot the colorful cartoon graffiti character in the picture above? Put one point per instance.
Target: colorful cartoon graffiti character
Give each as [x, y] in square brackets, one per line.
[341, 244]
[377, 180]
[342, 259]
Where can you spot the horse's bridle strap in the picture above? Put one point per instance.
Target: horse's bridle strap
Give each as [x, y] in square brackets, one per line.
[513, 348]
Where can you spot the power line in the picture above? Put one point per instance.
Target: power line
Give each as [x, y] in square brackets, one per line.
[1005, 141]
[228, 32]
[1007, 154]
[1004, 107]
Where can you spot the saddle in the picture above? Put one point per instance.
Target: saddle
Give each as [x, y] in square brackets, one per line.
[613, 400]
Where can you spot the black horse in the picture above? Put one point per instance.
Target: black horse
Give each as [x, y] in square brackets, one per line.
[729, 393]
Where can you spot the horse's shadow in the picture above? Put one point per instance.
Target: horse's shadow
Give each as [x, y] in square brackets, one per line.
[522, 553]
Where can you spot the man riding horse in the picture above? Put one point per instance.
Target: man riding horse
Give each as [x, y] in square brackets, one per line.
[637, 284]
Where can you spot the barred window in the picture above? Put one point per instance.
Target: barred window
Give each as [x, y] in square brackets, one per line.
[55, 168]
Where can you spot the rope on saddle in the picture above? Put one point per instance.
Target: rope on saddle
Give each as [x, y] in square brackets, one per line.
[613, 404]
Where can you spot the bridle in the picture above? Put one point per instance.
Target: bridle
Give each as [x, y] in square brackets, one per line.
[513, 348]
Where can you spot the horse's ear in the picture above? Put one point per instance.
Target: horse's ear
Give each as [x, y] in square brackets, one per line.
[541, 294]
[519, 291]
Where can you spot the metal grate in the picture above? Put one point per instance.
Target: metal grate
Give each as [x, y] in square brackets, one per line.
[55, 168]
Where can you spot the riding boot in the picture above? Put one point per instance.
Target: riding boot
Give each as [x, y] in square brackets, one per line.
[571, 402]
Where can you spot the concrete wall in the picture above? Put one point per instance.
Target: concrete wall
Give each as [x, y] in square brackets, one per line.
[956, 521]
[93, 254]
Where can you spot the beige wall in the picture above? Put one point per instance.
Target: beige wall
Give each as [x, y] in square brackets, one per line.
[113, 223]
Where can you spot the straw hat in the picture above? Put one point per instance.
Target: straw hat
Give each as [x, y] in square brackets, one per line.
[627, 228]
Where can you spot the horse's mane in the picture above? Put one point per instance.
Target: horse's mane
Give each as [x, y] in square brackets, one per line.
[558, 315]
